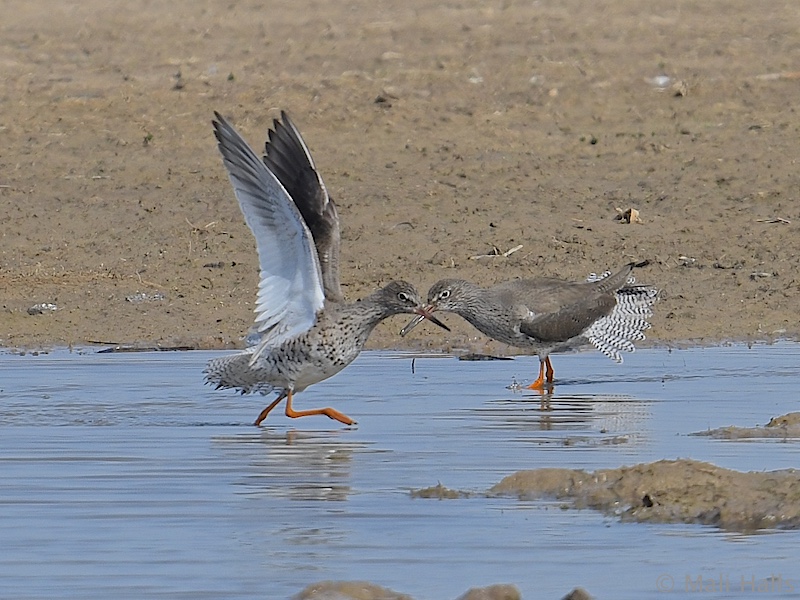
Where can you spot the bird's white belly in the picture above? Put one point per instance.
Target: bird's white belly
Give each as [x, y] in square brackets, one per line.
[311, 373]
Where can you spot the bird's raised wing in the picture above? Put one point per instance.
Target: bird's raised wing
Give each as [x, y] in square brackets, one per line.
[290, 291]
[289, 159]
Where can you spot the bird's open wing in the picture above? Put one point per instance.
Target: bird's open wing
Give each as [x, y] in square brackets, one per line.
[288, 157]
[290, 291]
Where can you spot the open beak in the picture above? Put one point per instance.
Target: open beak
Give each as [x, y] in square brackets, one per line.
[422, 314]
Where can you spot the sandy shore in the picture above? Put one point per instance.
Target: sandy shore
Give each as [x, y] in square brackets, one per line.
[444, 132]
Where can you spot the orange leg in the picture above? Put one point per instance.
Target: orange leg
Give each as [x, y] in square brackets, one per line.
[265, 412]
[539, 383]
[328, 412]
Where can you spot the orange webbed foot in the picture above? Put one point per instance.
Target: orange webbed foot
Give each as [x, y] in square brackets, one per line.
[537, 385]
[545, 372]
[331, 413]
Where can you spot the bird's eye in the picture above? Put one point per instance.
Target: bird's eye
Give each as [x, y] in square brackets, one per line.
[444, 294]
[403, 297]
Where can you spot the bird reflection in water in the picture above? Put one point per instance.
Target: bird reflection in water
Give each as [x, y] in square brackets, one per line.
[298, 465]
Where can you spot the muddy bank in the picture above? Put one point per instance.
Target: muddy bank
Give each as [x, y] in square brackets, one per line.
[667, 491]
[362, 590]
[670, 491]
[449, 134]
[786, 426]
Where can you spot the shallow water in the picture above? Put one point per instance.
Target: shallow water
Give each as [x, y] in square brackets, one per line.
[124, 477]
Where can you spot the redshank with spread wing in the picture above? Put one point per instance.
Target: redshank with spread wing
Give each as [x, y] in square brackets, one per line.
[306, 332]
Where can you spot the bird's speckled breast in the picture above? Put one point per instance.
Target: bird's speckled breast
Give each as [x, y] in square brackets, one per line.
[328, 347]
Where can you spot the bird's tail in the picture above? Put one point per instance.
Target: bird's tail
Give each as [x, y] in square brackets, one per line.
[609, 281]
[616, 332]
[235, 372]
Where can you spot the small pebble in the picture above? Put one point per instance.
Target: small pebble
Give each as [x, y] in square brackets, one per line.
[41, 308]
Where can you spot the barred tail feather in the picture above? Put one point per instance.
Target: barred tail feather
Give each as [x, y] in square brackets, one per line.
[616, 332]
[234, 372]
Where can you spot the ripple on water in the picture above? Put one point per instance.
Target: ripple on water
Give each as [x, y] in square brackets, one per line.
[123, 476]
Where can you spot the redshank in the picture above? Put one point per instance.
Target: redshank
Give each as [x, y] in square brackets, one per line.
[306, 332]
[547, 315]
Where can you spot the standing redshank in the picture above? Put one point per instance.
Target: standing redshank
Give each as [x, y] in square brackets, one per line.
[306, 331]
[548, 315]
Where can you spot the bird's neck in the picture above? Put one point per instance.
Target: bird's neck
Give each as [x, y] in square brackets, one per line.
[361, 317]
[473, 298]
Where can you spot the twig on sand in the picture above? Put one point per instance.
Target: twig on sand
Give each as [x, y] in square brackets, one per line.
[774, 220]
[496, 252]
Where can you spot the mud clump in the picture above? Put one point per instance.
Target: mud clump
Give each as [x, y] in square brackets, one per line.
[439, 492]
[784, 427]
[348, 590]
[493, 592]
[363, 590]
[671, 491]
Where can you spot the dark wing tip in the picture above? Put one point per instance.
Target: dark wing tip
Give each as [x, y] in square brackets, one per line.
[219, 121]
[285, 118]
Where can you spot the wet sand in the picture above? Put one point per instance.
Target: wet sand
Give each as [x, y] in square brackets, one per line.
[362, 590]
[671, 491]
[784, 427]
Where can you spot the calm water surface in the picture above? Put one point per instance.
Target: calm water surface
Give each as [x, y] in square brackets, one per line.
[122, 476]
